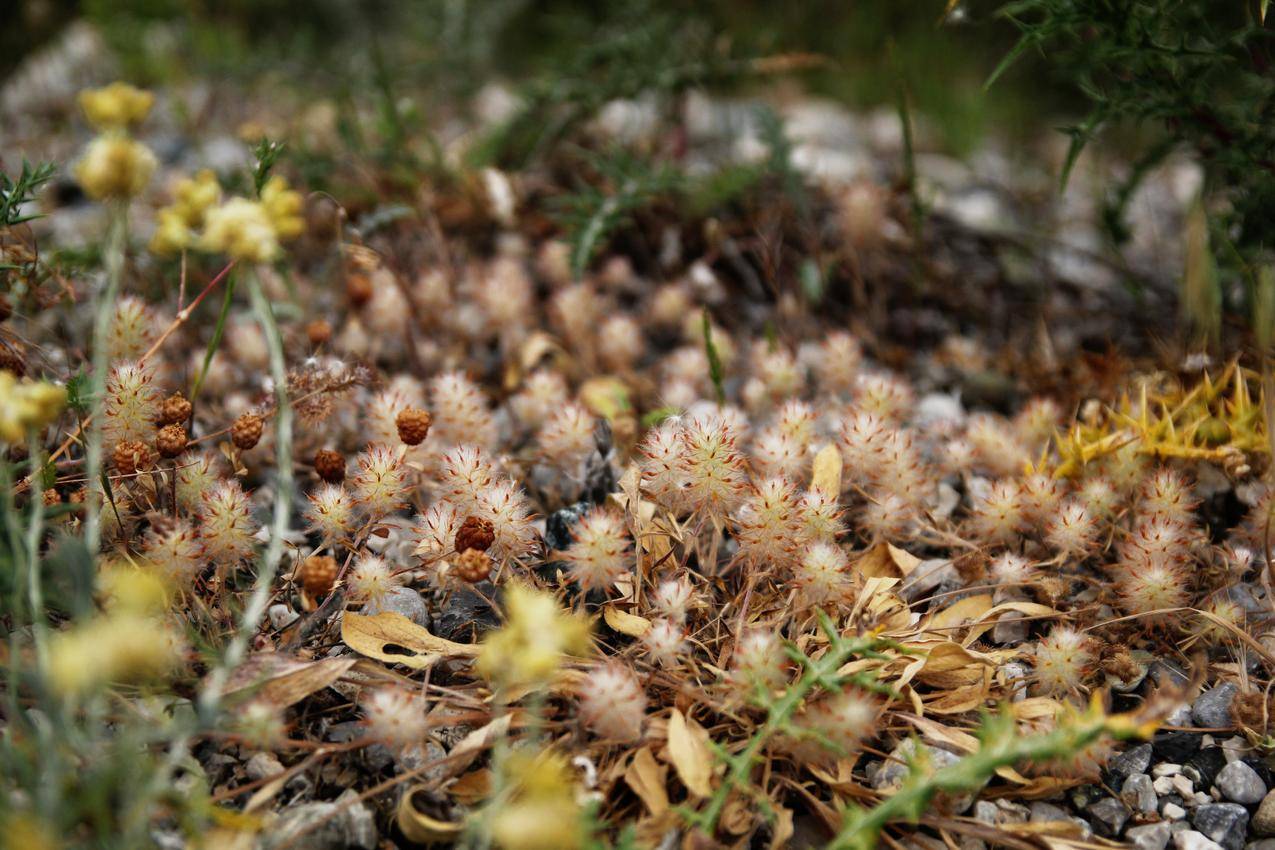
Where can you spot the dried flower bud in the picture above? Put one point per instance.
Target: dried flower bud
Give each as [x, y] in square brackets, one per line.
[318, 331]
[246, 430]
[413, 425]
[329, 465]
[175, 410]
[317, 575]
[131, 456]
[171, 440]
[52, 497]
[474, 533]
[358, 288]
[472, 565]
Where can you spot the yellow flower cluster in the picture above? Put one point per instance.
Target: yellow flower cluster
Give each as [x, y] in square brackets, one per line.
[528, 650]
[116, 107]
[192, 198]
[130, 642]
[543, 813]
[241, 229]
[26, 406]
[283, 206]
[115, 166]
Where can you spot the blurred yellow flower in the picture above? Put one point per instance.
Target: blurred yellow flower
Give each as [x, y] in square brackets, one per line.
[120, 647]
[129, 590]
[241, 229]
[177, 222]
[529, 648]
[27, 406]
[117, 106]
[543, 813]
[115, 167]
[172, 234]
[283, 205]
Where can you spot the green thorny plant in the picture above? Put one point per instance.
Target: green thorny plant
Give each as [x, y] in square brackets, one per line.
[1000, 743]
[1192, 75]
[16, 193]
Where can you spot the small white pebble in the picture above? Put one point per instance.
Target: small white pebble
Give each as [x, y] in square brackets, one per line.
[1163, 785]
[1166, 769]
[1173, 811]
[1202, 799]
[1184, 786]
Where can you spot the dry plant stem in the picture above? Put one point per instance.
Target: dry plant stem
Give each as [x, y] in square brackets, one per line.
[116, 244]
[35, 590]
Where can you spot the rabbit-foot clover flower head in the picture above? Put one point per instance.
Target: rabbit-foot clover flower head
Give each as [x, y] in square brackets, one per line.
[196, 474]
[613, 703]
[758, 663]
[505, 506]
[371, 579]
[436, 530]
[283, 207]
[174, 550]
[673, 598]
[330, 513]
[834, 726]
[766, 523]
[226, 526]
[395, 717]
[242, 230]
[27, 406]
[1153, 584]
[665, 642]
[132, 329]
[1072, 532]
[528, 649]
[823, 575]
[131, 405]
[566, 439]
[117, 106]
[115, 167]
[599, 555]
[1063, 659]
[711, 467]
[380, 481]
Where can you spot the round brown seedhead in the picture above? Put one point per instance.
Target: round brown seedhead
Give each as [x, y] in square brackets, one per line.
[358, 288]
[413, 425]
[329, 465]
[474, 533]
[171, 440]
[318, 331]
[318, 574]
[52, 497]
[246, 430]
[175, 410]
[131, 456]
[472, 566]
[13, 358]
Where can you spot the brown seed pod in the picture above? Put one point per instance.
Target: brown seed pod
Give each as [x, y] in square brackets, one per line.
[317, 575]
[358, 288]
[329, 465]
[472, 566]
[413, 425]
[246, 430]
[52, 497]
[474, 533]
[318, 331]
[13, 358]
[131, 456]
[175, 410]
[171, 440]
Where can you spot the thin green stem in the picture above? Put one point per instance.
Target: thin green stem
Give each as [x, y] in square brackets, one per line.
[103, 312]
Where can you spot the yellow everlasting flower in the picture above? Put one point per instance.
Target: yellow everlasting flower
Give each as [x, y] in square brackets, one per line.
[121, 647]
[241, 229]
[543, 813]
[117, 106]
[172, 234]
[530, 646]
[27, 406]
[115, 167]
[283, 205]
[192, 198]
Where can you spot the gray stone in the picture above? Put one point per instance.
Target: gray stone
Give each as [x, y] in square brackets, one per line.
[1108, 816]
[1042, 812]
[1133, 760]
[1189, 839]
[1010, 629]
[1212, 709]
[1000, 812]
[1166, 769]
[1239, 783]
[324, 826]
[1152, 836]
[1261, 844]
[262, 765]
[1264, 817]
[1172, 811]
[1138, 793]
[926, 577]
[401, 600]
[1225, 823]
[895, 769]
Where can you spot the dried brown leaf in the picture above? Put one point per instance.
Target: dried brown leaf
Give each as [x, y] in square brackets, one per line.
[689, 752]
[648, 779]
[395, 639]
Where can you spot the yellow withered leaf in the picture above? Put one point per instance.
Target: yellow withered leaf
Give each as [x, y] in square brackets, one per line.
[884, 560]
[647, 778]
[393, 638]
[624, 622]
[420, 828]
[689, 752]
[827, 470]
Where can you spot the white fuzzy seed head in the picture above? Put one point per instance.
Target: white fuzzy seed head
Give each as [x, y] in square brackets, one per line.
[766, 523]
[436, 530]
[330, 512]
[664, 642]
[711, 467]
[758, 663]
[1011, 570]
[823, 575]
[464, 474]
[612, 703]
[819, 516]
[998, 516]
[543, 392]
[196, 474]
[505, 506]
[371, 579]
[460, 412]
[1072, 532]
[599, 555]
[566, 440]
[395, 717]
[673, 598]
[132, 330]
[226, 526]
[131, 404]
[839, 723]
[1063, 659]
[379, 483]
[175, 551]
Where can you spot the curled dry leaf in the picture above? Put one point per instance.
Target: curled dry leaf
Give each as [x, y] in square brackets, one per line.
[421, 828]
[647, 778]
[624, 622]
[884, 560]
[395, 639]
